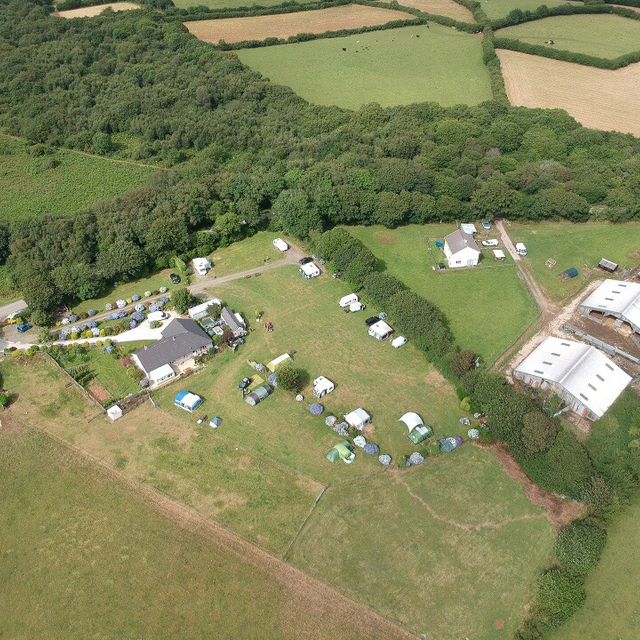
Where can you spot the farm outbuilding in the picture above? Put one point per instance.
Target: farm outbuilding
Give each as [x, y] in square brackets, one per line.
[578, 373]
[322, 386]
[461, 250]
[613, 298]
[358, 419]
[608, 265]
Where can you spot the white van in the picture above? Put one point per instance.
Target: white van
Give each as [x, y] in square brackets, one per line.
[156, 316]
[280, 245]
[347, 301]
[521, 249]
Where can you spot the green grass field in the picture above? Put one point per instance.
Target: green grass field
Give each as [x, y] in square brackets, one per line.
[232, 4]
[82, 557]
[612, 609]
[604, 36]
[575, 245]
[60, 182]
[392, 67]
[247, 254]
[500, 8]
[468, 297]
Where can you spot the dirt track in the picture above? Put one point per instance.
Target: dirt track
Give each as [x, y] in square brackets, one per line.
[447, 8]
[597, 98]
[90, 12]
[283, 25]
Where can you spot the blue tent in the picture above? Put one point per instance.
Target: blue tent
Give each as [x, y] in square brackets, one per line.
[316, 409]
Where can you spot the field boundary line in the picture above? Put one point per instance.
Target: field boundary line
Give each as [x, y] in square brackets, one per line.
[191, 520]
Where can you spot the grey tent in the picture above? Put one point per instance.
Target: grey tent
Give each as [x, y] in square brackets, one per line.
[259, 394]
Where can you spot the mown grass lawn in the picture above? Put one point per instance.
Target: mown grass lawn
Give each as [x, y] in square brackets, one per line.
[60, 182]
[500, 8]
[391, 67]
[604, 36]
[406, 545]
[575, 245]
[249, 253]
[488, 306]
[83, 557]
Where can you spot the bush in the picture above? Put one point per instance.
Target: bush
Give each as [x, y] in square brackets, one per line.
[292, 378]
[560, 595]
[182, 299]
[464, 362]
[579, 546]
[538, 432]
[380, 287]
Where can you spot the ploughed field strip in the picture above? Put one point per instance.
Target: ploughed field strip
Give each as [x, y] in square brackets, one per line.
[447, 8]
[284, 25]
[391, 67]
[608, 100]
[91, 12]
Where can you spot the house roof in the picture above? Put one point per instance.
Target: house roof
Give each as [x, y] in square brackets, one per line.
[459, 240]
[203, 307]
[230, 319]
[468, 227]
[582, 370]
[620, 298]
[180, 338]
[161, 372]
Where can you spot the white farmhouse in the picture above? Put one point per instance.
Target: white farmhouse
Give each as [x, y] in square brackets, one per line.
[461, 250]
[580, 374]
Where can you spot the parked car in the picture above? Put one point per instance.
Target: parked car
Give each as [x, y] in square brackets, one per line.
[244, 383]
[398, 342]
[306, 260]
[175, 278]
[371, 320]
[490, 243]
[486, 224]
[24, 327]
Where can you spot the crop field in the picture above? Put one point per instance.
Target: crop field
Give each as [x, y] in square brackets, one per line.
[261, 472]
[609, 100]
[603, 36]
[500, 8]
[575, 245]
[447, 8]
[231, 4]
[611, 609]
[488, 306]
[284, 25]
[61, 182]
[96, 10]
[391, 67]
[90, 558]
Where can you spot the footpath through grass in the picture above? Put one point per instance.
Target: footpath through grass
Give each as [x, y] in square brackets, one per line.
[392, 67]
[488, 306]
[60, 182]
[603, 36]
[575, 245]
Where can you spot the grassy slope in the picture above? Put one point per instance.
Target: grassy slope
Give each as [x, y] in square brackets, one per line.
[576, 245]
[84, 558]
[604, 36]
[500, 8]
[29, 190]
[470, 297]
[389, 67]
[611, 609]
[440, 578]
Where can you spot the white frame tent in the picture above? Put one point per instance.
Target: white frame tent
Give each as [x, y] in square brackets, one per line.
[358, 419]
[412, 420]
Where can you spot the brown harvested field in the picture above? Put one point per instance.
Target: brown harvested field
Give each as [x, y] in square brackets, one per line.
[284, 25]
[447, 8]
[597, 98]
[90, 12]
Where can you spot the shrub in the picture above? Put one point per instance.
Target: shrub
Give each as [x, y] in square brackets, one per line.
[580, 545]
[363, 263]
[182, 299]
[464, 362]
[538, 432]
[292, 378]
[560, 595]
[381, 287]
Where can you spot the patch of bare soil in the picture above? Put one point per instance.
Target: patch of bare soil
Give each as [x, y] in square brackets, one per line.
[559, 513]
[90, 12]
[447, 8]
[284, 25]
[98, 392]
[597, 98]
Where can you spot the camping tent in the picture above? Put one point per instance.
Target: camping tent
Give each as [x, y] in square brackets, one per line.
[309, 270]
[258, 394]
[447, 445]
[278, 362]
[322, 386]
[342, 451]
[380, 330]
[114, 413]
[188, 401]
[347, 300]
[358, 419]
[412, 420]
[420, 434]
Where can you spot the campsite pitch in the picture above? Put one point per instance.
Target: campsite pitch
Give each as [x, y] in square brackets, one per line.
[96, 10]
[284, 25]
[59, 181]
[603, 36]
[609, 100]
[488, 306]
[391, 67]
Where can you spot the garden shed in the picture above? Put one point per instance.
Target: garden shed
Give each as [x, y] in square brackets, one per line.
[114, 413]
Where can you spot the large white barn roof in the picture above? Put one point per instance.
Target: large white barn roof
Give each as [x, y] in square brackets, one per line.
[582, 370]
[619, 298]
